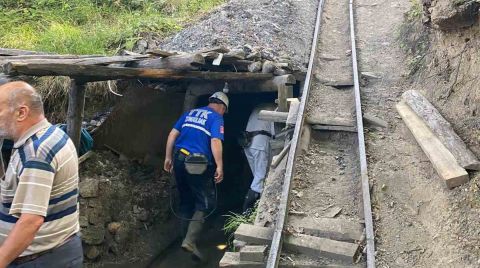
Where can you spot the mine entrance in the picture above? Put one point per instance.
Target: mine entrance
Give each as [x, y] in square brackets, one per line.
[230, 192]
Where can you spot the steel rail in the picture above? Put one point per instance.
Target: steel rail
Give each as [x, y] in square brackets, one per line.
[367, 208]
[276, 245]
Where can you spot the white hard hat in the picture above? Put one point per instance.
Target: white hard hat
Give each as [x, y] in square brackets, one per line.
[221, 97]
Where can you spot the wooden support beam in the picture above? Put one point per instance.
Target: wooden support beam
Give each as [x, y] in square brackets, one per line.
[331, 228]
[190, 101]
[253, 253]
[284, 92]
[442, 129]
[232, 260]
[334, 128]
[293, 112]
[76, 104]
[323, 119]
[278, 158]
[100, 73]
[304, 244]
[442, 160]
[280, 117]
[84, 157]
[79, 61]
[176, 62]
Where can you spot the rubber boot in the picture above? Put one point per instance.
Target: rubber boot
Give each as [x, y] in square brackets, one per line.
[250, 200]
[189, 244]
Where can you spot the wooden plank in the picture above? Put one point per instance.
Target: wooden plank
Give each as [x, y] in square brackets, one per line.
[284, 92]
[305, 244]
[219, 49]
[442, 129]
[79, 61]
[100, 73]
[232, 259]
[293, 112]
[278, 158]
[273, 116]
[316, 246]
[442, 160]
[374, 121]
[335, 229]
[76, 104]
[161, 53]
[254, 235]
[334, 128]
[322, 119]
[253, 253]
[84, 157]
[176, 62]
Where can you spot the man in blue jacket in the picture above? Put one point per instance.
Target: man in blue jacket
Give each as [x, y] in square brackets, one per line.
[194, 155]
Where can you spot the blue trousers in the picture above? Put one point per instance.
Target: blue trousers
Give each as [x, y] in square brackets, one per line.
[68, 255]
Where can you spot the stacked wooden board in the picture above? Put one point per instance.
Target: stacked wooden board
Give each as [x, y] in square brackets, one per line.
[447, 152]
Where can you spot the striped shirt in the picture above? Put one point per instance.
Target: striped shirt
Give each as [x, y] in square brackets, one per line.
[42, 179]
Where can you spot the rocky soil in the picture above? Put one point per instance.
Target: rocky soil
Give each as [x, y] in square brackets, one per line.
[124, 210]
[279, 29]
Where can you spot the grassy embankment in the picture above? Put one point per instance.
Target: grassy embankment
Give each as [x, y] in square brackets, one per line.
[89, 27]
[92, 26]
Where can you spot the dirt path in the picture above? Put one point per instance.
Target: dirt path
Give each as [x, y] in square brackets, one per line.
[418, 220]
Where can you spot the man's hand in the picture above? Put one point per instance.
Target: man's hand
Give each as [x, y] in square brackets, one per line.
[218, 175]
[168, 166]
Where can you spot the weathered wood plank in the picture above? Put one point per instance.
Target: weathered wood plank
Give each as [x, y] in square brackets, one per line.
[84, 157]
[442, 160]
[336, 229]
[293, 112]
[334, 128]
[442, 129]
[253, 253]
[176, 62]
[316, 246]
[305, 244]
[232, 259]
[305, 138]
[76, 104]
[278, 158]
[99, 73]
[79, 61]
[321, 119]
[280, 117]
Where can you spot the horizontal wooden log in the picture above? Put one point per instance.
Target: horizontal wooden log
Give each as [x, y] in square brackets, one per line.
[305, 244]
[219, 49]
[442, 129]
[442, 160]
[48, 57]
[79, 61]
[100, 73]
[280, 117]
[176, 62]
[334, 128]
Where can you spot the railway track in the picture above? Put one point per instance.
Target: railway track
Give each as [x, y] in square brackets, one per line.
[324, 212]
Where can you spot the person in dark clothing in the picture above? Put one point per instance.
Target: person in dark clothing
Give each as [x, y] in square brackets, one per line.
[194, 155]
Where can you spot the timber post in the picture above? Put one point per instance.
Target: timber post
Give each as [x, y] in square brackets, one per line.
[76, 104]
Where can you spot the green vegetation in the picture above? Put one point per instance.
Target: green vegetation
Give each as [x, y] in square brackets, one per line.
[234, 220]
[92, 26]
[415, 11]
